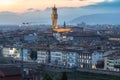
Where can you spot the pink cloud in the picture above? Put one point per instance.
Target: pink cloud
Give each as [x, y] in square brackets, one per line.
[23, 5]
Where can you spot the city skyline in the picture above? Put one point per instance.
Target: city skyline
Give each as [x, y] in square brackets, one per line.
[39, 11]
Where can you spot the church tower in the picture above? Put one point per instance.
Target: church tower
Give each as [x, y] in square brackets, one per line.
[54, 17]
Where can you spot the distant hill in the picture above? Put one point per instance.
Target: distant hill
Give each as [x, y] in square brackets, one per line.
[113, 18]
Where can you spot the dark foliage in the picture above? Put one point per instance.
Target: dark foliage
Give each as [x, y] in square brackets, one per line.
[64, 76]
[33, 55]
[47, 77]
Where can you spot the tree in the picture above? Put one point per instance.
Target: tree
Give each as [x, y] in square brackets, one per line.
[33, 55]
[47, 77]
[64, 76]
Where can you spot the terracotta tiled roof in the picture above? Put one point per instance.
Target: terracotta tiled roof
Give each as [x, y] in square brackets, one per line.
[1, 74]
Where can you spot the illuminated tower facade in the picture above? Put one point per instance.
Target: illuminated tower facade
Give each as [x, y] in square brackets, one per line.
[54, 17]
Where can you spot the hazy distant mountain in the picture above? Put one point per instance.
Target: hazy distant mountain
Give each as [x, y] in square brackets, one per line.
[113, 18]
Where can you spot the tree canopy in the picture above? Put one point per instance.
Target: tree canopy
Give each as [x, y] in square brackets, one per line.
[64, 76]
[47, 77]
[33, 54]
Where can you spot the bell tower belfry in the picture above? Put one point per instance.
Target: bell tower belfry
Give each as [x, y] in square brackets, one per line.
[54, 17]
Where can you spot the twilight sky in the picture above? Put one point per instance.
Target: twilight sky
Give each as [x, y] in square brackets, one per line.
[18, 11]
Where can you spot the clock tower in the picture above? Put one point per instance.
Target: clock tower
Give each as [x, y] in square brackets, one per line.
[54, 17]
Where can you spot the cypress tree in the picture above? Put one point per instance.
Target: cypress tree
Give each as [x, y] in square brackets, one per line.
[33, 55]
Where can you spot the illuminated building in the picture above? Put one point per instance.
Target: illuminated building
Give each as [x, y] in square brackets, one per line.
[10, 52]
[84, 59]
[57, 30]
[54, 17]
[55, 27]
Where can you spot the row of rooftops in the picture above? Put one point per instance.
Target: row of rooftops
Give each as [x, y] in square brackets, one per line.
[9, 70]
[114, 55]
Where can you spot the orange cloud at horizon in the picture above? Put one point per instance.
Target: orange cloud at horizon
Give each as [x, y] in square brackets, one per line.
[23, 5]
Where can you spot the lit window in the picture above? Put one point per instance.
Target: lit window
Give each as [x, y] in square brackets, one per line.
[81, 66]
[87, 61]
[89, 57]
[80, 56]
[93, 67]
